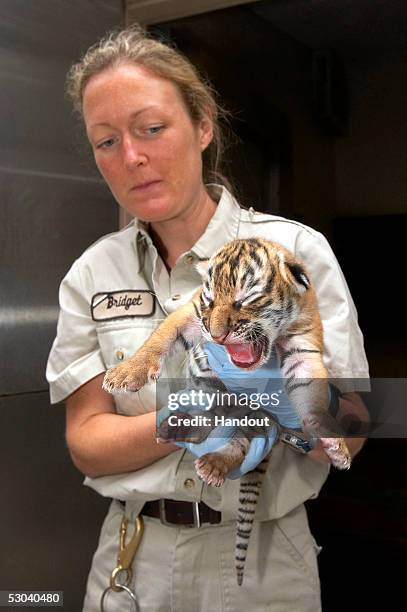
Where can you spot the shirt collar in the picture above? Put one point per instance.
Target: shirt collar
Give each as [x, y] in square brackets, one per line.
[222, 228]
[141, 240]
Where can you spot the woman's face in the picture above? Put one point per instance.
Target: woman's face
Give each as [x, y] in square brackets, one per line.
[144, 142]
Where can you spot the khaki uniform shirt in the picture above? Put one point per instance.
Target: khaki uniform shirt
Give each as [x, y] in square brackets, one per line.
[92, 337]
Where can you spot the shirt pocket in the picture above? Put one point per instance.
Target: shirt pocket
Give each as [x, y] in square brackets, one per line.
[119, 341]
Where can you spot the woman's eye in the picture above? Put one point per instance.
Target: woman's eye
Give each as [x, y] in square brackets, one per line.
[106, 144]
[154, 129]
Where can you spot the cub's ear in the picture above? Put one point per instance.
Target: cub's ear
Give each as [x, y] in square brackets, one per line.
[294, 274]
[202, 267]
[301, 279]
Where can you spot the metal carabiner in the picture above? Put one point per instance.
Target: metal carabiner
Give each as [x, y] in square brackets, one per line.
[125, 559]
[126, 553]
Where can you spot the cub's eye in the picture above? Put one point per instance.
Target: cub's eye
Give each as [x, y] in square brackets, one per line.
[238, 304]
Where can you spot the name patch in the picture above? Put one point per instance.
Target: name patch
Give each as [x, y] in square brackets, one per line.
[121, 304]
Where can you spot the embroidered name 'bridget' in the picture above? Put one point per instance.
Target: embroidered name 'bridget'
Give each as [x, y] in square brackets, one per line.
[124, 301]
[121, 304]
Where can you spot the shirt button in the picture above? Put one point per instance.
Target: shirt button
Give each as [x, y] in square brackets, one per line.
[120, 355]
[177, 296]
[189, 483]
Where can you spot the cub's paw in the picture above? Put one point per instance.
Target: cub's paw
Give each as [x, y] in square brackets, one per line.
[132, 374]
[338, 452]
[212, 468]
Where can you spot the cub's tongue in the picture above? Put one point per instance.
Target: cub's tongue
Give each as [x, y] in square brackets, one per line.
[243, 354]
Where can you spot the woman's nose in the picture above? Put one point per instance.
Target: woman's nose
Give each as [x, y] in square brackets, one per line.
[132, 153]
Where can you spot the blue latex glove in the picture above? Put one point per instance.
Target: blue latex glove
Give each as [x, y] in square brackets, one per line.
[264, 380]
[218, 437]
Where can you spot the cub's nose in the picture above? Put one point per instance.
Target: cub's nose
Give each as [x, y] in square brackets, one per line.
[220, 339]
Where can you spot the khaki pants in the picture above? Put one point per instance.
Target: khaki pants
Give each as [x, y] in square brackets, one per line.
[182, 569]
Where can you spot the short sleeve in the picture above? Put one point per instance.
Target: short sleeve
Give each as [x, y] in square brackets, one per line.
[75, 355]
[344, 354]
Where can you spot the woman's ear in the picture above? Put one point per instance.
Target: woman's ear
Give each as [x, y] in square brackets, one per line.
[205, 131]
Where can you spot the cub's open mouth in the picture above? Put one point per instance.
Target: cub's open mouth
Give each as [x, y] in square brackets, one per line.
[246, 354]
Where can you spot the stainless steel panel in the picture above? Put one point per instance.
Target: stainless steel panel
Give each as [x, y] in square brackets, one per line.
[53, 202]
[49, 523]
[45, 223]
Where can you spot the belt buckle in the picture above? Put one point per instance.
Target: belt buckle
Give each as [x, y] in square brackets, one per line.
[195, 512]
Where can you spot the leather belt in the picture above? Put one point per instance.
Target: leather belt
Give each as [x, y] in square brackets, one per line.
[189, 514]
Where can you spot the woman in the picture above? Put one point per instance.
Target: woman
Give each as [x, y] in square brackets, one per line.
[151, 120]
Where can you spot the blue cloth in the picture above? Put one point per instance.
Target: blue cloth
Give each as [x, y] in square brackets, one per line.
[265, 380]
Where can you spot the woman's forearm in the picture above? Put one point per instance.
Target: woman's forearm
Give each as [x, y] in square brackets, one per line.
[102, 442]
[109, 443]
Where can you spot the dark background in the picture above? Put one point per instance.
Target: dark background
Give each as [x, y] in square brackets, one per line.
[318, 94]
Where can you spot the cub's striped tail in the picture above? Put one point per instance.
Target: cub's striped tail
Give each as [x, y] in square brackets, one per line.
[250, 485]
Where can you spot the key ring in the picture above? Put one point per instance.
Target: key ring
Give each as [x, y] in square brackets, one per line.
[124, 588]
[125, 559]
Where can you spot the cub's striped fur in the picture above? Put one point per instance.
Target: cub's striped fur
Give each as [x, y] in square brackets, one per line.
[256, 297]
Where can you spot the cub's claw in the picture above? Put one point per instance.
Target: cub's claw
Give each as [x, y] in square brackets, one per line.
[132, 374]
[212, 469]
[338, 452]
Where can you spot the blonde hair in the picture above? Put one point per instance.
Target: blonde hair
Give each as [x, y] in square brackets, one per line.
[135, 45]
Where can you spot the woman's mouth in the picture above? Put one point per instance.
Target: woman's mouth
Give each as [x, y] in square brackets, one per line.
[145, 186]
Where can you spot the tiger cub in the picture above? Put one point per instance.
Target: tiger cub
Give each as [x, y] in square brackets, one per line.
[256, 297]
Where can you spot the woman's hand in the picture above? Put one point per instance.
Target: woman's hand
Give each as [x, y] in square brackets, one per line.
[354, 416]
